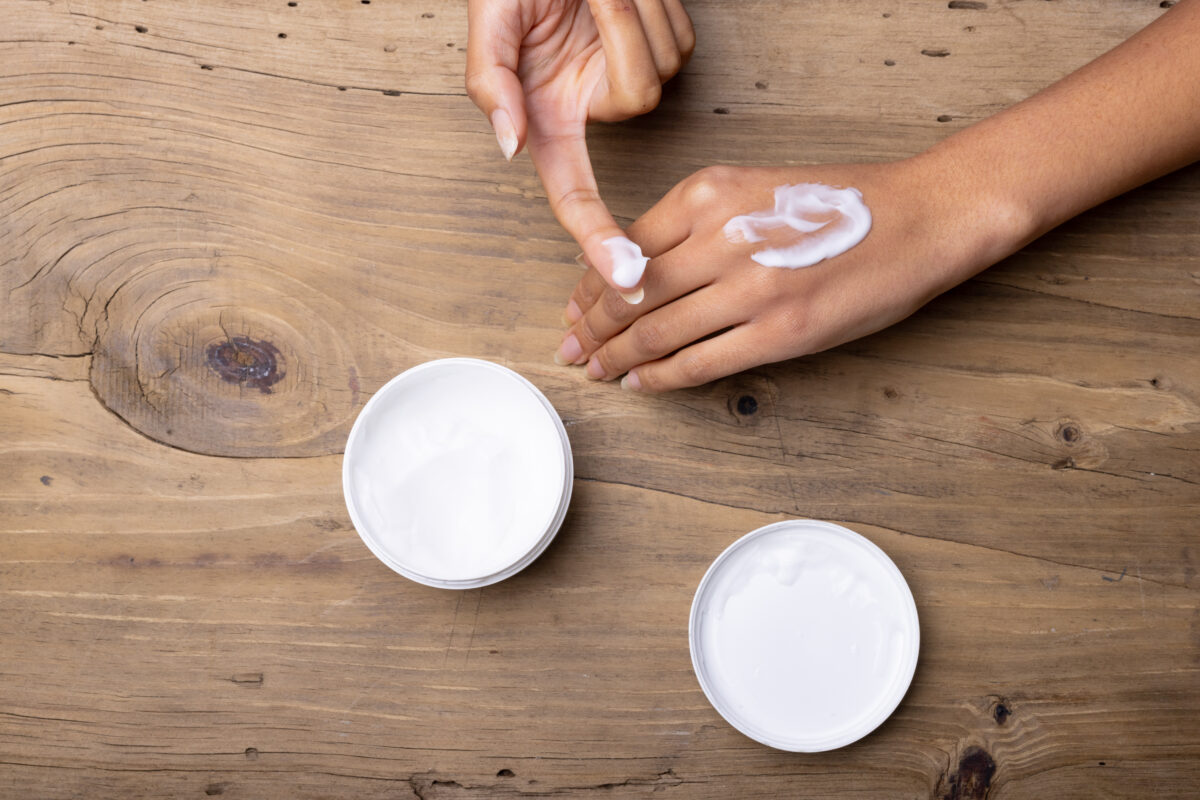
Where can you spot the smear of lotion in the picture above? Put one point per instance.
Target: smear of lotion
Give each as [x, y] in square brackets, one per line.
[828, 221]
[627, 259]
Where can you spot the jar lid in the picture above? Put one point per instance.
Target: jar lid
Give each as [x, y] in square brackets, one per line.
[804, 635]
[457, 473]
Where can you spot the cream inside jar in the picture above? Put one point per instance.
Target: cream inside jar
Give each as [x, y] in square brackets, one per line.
[457, 473]
[804, 635]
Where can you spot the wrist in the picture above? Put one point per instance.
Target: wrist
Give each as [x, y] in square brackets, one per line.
[977, 217]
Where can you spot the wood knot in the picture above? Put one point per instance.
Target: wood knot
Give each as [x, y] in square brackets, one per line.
[746, 405]
[505, 773]
[972, 779]
[1069, 432]
[1000, 711]
[247, 361]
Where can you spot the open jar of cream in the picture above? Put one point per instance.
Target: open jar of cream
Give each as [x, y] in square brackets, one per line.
[457, 473]
[804, 635]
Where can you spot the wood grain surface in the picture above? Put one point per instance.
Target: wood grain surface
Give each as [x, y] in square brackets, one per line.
[224, 225]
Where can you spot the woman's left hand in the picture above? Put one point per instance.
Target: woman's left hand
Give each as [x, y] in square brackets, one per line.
[710, 310]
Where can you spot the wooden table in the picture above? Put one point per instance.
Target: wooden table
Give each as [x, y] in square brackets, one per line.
[224, 225]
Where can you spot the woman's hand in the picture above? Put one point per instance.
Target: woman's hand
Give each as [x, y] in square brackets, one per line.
[710, 310]
[540, 69]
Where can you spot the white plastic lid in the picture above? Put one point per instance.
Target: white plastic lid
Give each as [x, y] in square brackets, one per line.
[804, 635]
[457, 473]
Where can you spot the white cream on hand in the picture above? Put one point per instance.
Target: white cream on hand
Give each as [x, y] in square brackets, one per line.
[627, 261]
[827, 222]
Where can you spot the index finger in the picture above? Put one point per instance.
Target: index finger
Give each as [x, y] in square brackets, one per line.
[561, 159]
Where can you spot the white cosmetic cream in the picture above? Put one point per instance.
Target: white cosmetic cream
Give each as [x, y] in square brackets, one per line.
[824, 222]
[457, 473]
[628, 262]
[804, 635]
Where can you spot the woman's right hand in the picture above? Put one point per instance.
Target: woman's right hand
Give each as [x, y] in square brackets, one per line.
[540, 69]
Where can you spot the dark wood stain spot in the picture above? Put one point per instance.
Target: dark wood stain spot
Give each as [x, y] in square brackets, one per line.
[427, 15]
[1001, 712]
[247, 361]
[890, 393]
[747, 405]
[761, 85]
[140, 28]
[283, 36]
[252, 754]
[505, 773]
[391, 92]
[969, 5]
[247, 679]
[1166, 3]
[1070, 433]
[935, 53]
[945, 118]
[887, 15]
[206, 66]
[972, 779]
[215, 788]
[887, 62]
[46, 480]
[292, 4]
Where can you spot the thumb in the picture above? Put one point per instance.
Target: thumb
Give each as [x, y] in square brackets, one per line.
[493, 47]
[561, 159]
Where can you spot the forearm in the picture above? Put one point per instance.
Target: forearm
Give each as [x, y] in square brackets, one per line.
[1126, 118]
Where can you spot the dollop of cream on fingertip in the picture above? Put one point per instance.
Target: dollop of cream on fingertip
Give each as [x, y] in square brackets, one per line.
[628, 263]
[827, 222]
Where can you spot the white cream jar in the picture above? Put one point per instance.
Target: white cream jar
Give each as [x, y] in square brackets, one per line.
[457, 473]
[804, 635]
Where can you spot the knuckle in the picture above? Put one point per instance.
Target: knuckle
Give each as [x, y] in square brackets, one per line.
[669, 64]
[606, 362]
[576, 196]
[585, 331]
[586, 295]
[794, 325]
[634, 100]
[615, 306]
[696, 368]
[601, 7]
[687, 42]
[477, 86]
[649, 338]
[707, 186]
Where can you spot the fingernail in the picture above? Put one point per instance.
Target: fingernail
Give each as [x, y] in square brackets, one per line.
[506, 132]
[573, 313]
[581, 260]
[634, 297]
[594, 370]
[630, 382]
[568, 352]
